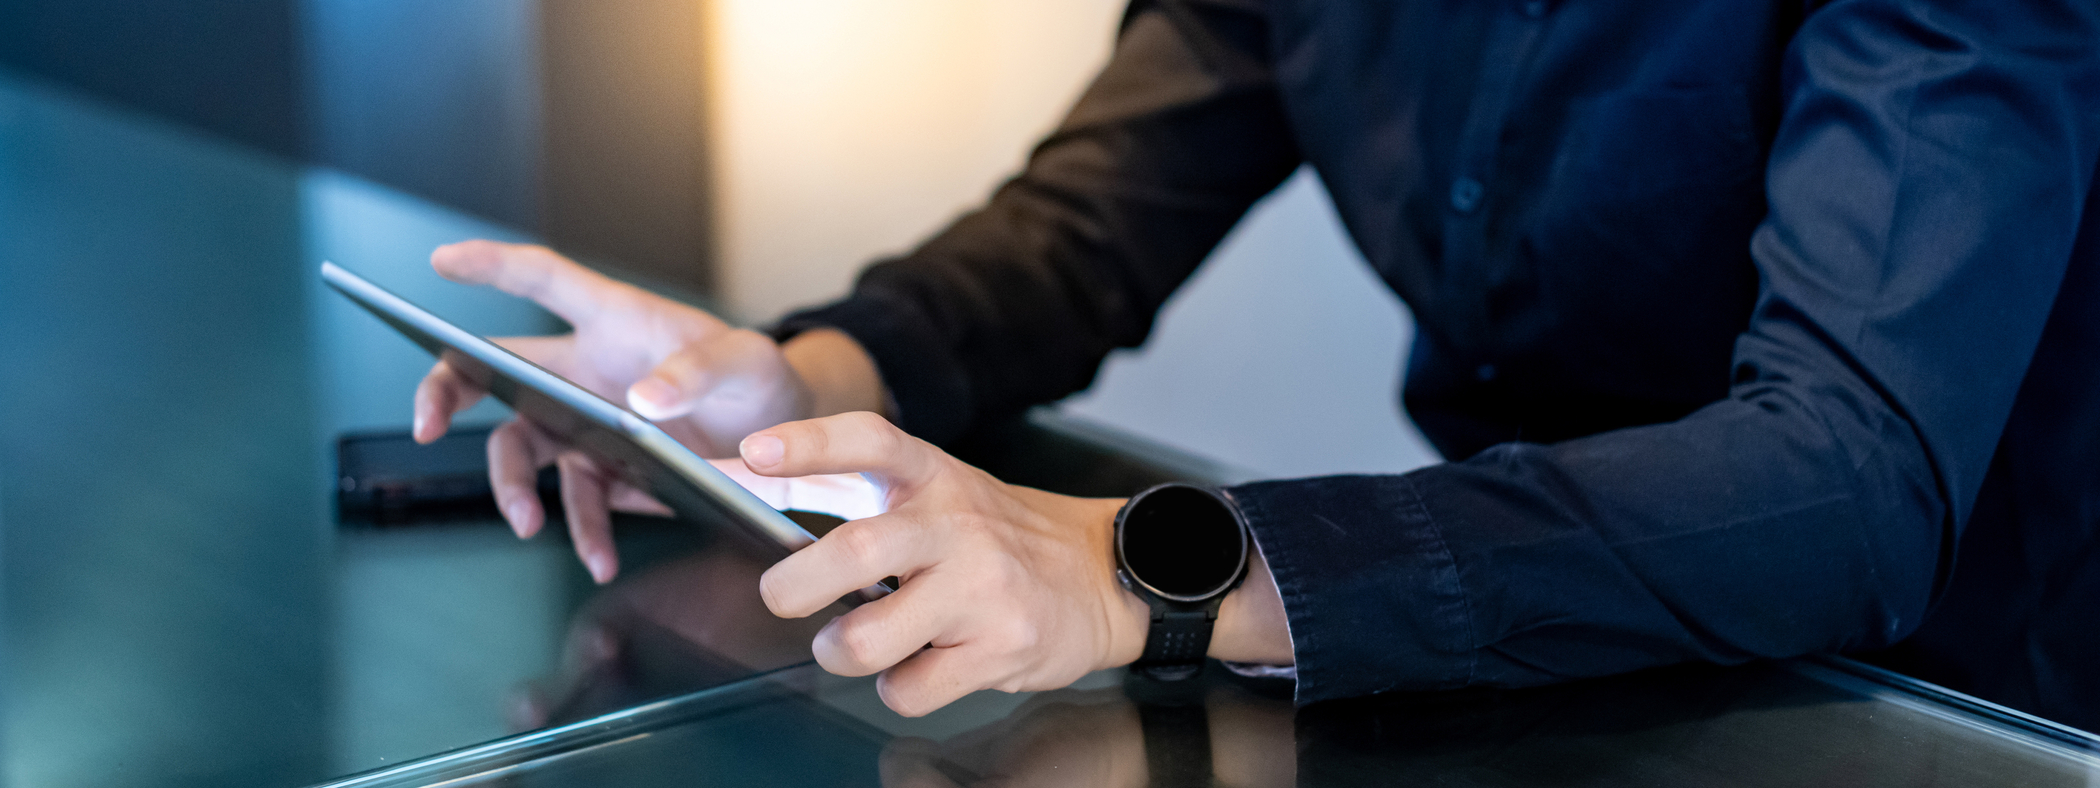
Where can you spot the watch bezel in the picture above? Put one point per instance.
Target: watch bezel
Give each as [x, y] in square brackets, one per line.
[1139, 586]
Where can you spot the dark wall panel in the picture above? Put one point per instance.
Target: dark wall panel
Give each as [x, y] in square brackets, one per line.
[228, 66]
[441, 99]
[582, 121]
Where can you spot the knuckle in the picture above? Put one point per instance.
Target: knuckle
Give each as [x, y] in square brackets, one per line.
[803, 439]
[888, 442]
[859, 644]
[1005, 577]
[1027, 636]
[978, 527]
[882, 436]
[862, 420]
[1015, 637]
[860, 546]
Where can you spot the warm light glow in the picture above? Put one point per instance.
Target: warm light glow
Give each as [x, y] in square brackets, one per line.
[845, 129]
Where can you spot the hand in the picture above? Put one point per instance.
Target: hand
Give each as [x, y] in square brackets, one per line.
[706, 383]
[1002, 587]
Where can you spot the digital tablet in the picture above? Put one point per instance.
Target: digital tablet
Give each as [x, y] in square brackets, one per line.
[620, 440]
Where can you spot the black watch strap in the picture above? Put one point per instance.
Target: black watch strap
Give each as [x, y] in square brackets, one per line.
[1176, 646]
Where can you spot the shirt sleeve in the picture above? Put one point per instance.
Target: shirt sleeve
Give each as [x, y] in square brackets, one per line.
[1018, 303]
[1925, 189]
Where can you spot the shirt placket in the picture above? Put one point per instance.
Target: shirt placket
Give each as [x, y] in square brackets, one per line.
[1512, 37]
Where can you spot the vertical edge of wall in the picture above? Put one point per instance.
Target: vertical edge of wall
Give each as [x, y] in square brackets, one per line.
[625, 171]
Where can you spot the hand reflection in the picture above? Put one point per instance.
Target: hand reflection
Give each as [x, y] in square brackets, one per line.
[679, 626]
[1097, 738]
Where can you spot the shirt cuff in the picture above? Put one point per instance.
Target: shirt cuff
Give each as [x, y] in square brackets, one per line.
[1257, 670]
[1371, 593]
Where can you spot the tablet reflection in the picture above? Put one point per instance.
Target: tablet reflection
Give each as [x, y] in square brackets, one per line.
[676, 625]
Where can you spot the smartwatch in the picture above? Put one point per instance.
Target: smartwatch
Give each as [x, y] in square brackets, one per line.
[1181, 548]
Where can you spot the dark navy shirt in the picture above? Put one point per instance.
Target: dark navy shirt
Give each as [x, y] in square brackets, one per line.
[1751, 329]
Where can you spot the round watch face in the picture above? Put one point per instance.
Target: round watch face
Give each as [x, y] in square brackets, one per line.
[1182, 543]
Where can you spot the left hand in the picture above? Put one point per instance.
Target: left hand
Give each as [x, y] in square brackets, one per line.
[1003, 587]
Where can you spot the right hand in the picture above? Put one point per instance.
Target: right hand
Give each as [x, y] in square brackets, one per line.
[705, 382]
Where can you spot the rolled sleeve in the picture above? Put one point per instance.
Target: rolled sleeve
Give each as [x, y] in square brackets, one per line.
[1338, 547]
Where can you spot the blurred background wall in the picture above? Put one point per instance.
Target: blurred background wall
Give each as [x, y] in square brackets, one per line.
[754, 154]
[847, 130]
[844, 130]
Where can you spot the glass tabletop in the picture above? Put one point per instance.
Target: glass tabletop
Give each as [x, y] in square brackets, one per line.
[1827, 722]
[181, 603]
[177, 605]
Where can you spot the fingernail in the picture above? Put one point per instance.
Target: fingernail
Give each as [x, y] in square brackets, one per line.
[763, 451]
[651, 396]
[516, 513]
[417, 429]
[601, 566]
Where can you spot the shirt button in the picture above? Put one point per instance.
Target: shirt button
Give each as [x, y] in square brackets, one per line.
[1466, 194]
[1534, 8]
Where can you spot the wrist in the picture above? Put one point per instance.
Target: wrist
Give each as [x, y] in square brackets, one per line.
[1252, 624]
[1128, 619]
[1184, 551]
[835, 374]
[1130, 622]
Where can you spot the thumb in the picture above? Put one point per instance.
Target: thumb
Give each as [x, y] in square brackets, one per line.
[728, 364]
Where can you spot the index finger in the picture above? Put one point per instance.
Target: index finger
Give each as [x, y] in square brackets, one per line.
[569, 290]
[857, 442]
[853, 556]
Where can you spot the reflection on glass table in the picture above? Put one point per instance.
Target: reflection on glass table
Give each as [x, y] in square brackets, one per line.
[676, 675]
[1783, 724]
